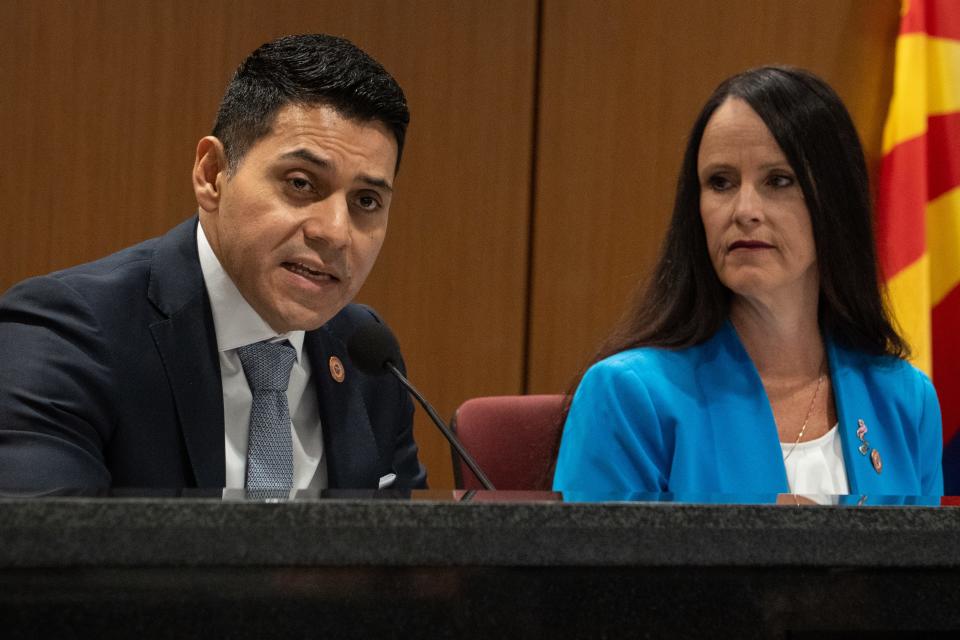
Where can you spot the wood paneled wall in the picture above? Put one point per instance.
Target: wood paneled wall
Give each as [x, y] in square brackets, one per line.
[617, 100]
[554, 126]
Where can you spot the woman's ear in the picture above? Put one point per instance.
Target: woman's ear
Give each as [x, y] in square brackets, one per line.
[209, 170]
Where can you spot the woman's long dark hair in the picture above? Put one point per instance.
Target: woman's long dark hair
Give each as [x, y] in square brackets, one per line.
[685, 303]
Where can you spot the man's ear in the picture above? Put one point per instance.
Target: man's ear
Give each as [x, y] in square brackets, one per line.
[209, 172]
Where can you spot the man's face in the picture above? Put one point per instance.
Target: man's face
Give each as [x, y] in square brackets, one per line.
[299, 223]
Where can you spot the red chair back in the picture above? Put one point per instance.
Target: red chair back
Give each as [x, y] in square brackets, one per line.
[512, 438]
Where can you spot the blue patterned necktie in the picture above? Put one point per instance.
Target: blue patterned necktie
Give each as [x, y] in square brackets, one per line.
[267, 367]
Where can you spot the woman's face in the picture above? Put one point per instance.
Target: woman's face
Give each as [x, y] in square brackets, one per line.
[758, 228]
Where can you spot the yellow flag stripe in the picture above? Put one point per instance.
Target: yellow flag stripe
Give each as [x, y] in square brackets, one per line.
[943, 70]
[907, 116]
[924, 83]
[943, 244]
[909, 298]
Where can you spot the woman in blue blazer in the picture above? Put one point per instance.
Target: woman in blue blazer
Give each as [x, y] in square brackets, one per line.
[760, 357]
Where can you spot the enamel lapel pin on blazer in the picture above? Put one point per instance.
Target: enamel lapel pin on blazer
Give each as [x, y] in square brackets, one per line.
[864, 447]
[336, 369]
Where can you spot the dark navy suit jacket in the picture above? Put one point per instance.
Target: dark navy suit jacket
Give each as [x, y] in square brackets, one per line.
[109, 377]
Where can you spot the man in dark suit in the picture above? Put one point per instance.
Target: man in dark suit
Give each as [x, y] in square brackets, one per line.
[214, 356]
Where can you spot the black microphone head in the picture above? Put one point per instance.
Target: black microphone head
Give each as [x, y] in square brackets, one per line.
[372, 346]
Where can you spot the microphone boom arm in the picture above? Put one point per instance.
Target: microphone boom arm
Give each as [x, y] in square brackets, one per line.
[452, 439]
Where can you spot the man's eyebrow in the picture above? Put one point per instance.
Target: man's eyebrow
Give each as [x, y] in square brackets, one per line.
[376, 182]
[309, 156]
[312, 158]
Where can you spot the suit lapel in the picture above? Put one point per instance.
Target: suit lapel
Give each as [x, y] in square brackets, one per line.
[744, 444]
[852, 402]
[349, 444]
[187, 343]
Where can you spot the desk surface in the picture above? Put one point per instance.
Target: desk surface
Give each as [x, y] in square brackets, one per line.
[486, 529]
[432, 564]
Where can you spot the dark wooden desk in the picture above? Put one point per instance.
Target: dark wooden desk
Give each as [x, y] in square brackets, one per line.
[431, 565]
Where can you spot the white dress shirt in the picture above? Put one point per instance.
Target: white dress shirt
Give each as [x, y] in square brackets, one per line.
[237, 325]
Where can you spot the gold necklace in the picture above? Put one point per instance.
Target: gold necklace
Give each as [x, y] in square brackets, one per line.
[813, 401]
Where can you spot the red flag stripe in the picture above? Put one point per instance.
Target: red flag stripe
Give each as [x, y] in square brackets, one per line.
[943, 161]
[938, 18]
[911, 174]
[946, 355]
[901, 205]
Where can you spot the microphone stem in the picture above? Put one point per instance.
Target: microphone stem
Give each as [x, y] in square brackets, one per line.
[452, 439]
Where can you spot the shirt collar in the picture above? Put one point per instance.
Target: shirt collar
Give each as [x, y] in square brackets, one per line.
[234, 320]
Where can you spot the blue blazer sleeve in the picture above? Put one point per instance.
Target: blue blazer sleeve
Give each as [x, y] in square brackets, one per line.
[614, 443]
[931, 441]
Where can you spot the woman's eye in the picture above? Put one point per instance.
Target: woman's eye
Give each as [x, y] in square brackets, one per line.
[780, 180]
[719, 183]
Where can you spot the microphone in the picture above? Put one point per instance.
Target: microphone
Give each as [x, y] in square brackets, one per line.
[374, 349]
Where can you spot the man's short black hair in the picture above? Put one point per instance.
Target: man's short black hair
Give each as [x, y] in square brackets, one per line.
[310, 69]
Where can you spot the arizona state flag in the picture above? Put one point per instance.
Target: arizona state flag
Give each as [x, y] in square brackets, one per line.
[918, 204]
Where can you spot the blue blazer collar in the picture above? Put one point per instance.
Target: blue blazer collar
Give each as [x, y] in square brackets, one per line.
[749, 457]
[744, 393]
[851, 396]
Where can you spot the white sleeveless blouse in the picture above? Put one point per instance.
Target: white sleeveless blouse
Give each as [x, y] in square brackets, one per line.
[816, 467]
